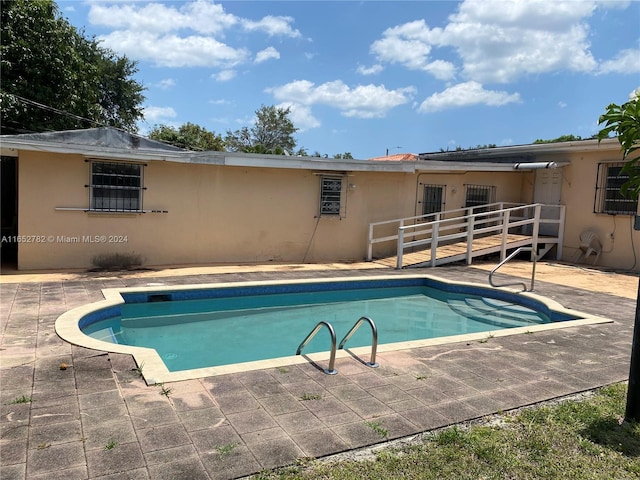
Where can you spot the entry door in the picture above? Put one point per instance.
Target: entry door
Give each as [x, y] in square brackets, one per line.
[547, 190]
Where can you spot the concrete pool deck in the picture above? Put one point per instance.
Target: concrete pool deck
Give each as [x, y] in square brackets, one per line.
[98, 419]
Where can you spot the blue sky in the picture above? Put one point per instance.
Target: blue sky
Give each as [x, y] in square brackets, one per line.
[371, 76]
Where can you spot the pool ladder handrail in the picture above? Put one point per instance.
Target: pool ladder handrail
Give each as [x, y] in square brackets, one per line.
[332, 358]
[513, 254]
[374, 343]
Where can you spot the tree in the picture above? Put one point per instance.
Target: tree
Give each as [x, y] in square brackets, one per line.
[53, 78]
[343, 156]
[189, 136]
[624, 121]
[272, 132]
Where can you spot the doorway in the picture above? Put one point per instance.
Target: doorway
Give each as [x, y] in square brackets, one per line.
[9, 211]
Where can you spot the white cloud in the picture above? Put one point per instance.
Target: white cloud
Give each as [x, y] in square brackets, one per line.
[157, 114]
[224, 75]
[466, 94]
[272, 26]
[626, 61]
[372, 70]
[187, 34]
[267, 54]
[496, 40]
[175, 51]
[166, 84]
[301, 116]
[362, 101]
[410, 45]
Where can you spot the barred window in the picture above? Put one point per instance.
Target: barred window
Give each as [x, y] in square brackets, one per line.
[116, 187]
[609, 198]
[332, 197]
[479, 195]
[433, 199]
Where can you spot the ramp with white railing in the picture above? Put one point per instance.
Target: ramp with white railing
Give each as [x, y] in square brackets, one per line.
[466, 233]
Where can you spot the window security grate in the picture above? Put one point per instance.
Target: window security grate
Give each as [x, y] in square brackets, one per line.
[331, 196]
[116, 187]
[609, 198]
[479, 195]
[433, 199]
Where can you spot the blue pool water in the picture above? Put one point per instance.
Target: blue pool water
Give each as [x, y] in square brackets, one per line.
[201, 328]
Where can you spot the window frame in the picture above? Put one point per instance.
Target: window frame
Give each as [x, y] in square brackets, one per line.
[332, 201]
[608, 197]
[490, 190]
[124, 177]
[427, 203]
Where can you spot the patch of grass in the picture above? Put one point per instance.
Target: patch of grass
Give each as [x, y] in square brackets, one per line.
[43, 446]
[166, 391]
[422, 377]
[486, 339]
[579, 439]
[139, 369]
[377, 427]
[20, 399]
[111, 445]
[282, 370]
[310, 396]
[226, 449]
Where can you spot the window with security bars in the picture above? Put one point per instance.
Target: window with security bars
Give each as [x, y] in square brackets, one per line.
[116, 187]
[332, 198]
[609, 198]
[433, 199]
[476, 195]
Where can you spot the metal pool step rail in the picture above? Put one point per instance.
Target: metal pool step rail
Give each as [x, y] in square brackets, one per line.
[513, 254]
[374, 342]
[332, 358]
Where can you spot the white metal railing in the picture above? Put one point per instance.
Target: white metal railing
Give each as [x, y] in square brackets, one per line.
[466, 225]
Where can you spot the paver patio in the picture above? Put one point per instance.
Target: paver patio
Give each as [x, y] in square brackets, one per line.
[235, 425]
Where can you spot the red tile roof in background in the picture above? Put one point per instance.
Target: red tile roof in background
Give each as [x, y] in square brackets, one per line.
[398, 157]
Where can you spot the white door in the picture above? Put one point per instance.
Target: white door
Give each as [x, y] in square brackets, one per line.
[547, 190]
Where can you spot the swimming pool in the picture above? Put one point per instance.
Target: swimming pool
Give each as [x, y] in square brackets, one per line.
[194, 331]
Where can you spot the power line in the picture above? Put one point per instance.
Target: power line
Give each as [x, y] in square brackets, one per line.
[55, 110]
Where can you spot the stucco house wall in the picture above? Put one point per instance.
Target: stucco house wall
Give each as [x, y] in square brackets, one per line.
[215, 213]
[620, 242]
[219, 208]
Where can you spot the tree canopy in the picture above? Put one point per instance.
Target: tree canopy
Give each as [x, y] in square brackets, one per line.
[624, 122]
[53, 77]
[272, 132]
[189, 136]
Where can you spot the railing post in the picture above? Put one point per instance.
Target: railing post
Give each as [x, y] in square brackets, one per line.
[470, 229]
[370, 244]
[536, 229]
[505, 234]
[400, 248]
[435, 231]
[563, 212]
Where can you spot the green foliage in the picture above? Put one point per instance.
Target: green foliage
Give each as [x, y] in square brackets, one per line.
[48, 68]
[377, 427]
[344, 156]
[189, 136]
[561, 138]
[111, 445]
[623, 121]
[227, 449]
[21, 399]
[272, 133]
[310, 396]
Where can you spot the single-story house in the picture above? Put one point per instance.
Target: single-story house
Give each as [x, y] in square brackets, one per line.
[72, 199]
